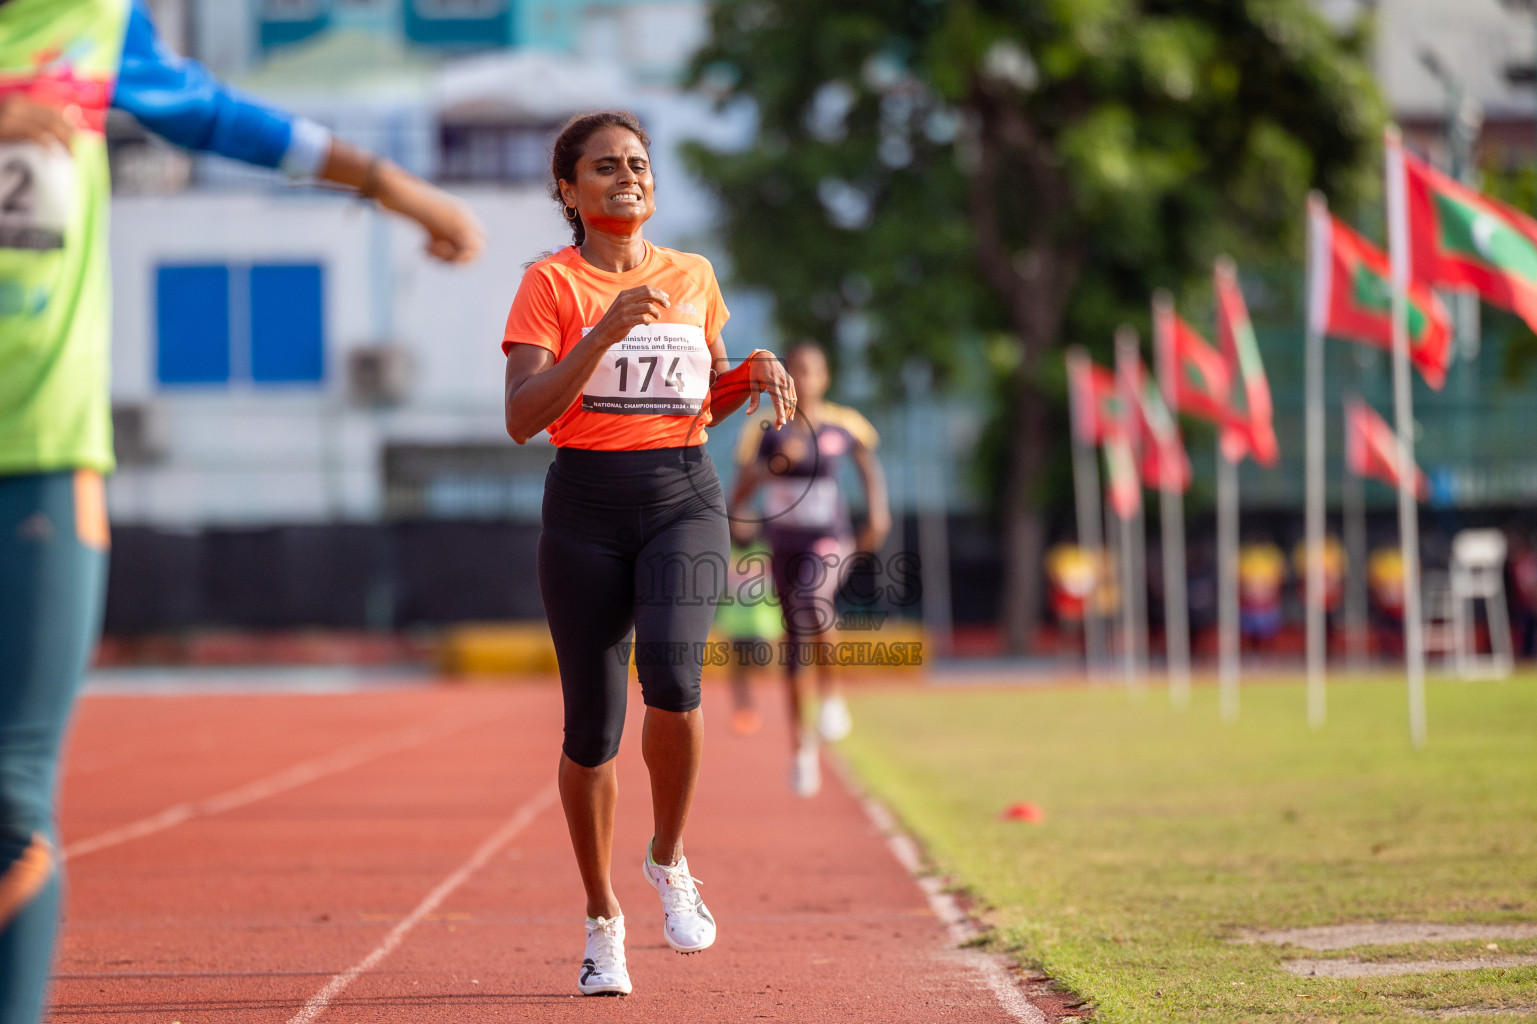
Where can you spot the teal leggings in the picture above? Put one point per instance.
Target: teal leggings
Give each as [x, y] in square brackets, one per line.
[51, 589]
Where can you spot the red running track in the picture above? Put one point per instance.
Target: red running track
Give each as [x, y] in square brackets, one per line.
[398, 856]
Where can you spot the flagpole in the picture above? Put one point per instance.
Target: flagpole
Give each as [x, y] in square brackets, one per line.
[1403, 408]
[1128, 365]
[1176, 605]
[1128, 606]
[1353, 512]
[1115, 568]
[1317, 628]
[1139, 567]
[1227, 586]
[1090, 523]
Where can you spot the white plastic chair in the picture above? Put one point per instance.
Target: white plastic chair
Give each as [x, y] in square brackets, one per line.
[1478, 573]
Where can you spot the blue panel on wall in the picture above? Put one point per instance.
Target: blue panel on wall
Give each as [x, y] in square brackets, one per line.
[465, 23]
[192, 324]
[287, 323]
[282, 31]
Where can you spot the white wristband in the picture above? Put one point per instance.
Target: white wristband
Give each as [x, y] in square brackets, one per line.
[309, 146]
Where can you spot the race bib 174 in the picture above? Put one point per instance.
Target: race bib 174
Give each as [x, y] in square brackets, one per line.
[659, 369]
[37, 195]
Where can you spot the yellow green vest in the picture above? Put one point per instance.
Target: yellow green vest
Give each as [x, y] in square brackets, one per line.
[55, 290]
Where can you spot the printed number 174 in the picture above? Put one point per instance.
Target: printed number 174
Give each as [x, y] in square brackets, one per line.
[672, 376]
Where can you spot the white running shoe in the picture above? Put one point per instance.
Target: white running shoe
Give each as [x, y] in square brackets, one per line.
[686, 922]
[833, 720]
[604, 972]
[806, 771]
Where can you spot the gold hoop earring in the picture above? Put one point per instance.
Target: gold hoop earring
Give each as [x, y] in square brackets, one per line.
[570, 212]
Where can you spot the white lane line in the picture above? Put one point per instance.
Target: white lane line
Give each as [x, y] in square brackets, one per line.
[289, 778]
[992, 967]
[488, 849]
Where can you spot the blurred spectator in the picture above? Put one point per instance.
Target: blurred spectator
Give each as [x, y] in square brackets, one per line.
[1385, 578]
[1261, 572]
[1335, 564]
[1385, 581]
[1071, 571]
[1522, 567]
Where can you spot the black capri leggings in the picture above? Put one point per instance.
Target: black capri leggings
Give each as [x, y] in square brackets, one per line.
[632, 541]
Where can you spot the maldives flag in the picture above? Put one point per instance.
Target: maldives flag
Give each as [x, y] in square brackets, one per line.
[1371, 447]
[1096, 407]
[1195, 377]
[1254, 431]
[1155, 439]
[1121, 471]
[1099, 417]
[1444, 233]
[1161, 445]
[1350, 297]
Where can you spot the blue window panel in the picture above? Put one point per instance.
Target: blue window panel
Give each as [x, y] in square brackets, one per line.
[192, 324]
[459, 23]
[290, 21]
[287, 323]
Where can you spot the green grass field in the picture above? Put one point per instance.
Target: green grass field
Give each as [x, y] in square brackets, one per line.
[1167, 834]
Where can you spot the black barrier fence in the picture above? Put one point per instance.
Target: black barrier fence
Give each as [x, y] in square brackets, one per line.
[435, 572]
[421, 573]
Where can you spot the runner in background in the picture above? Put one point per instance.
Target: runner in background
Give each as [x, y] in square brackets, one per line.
[614, 346]
[62, 63]
[810, 531]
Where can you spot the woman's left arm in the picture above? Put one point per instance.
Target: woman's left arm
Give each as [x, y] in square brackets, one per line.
[874, 478]
[758, 374]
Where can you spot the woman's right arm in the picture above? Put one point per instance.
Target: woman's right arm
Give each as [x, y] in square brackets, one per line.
[539, 388]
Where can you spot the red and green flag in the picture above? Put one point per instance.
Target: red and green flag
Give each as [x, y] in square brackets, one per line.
[1371, 447]
[1350, 296]
[1446, 234]
[1155, 438]
[1253, 431]
[1195, 377]
[1121, 473]
[1099, 417]
[1096, 407]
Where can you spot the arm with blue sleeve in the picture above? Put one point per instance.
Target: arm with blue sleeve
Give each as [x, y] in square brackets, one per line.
[179, 100]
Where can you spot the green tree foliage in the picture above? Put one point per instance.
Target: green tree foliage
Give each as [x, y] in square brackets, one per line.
[939, 179]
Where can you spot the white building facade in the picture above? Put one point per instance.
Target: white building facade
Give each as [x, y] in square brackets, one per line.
[287, 355]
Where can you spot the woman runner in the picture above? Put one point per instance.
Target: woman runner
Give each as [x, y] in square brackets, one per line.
[811, 534]
[614, 346]
[62, 63]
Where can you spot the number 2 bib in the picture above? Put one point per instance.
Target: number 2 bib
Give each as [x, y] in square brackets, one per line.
[37, 195]
[659, 369]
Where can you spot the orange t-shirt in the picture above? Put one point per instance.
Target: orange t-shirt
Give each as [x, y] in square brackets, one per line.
[652, 390]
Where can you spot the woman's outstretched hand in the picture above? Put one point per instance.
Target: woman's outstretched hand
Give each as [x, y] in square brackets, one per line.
[454, 235]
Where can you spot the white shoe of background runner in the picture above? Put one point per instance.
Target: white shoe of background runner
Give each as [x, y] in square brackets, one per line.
[833, 720]
[686, 922]
[604, 971]
[806, 771]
